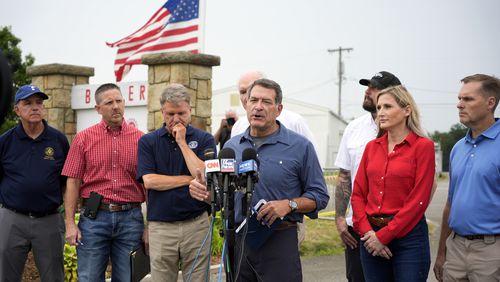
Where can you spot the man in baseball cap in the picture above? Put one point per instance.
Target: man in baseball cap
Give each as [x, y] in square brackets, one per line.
[356, 135]
[27, 91]
[32, 156]
[381, 80]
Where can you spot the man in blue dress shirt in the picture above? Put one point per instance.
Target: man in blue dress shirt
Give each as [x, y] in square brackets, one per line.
[469, 246]
[290, 180]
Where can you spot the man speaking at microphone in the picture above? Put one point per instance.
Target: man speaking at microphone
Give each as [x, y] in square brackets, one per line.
[168, 159]
[290, 180]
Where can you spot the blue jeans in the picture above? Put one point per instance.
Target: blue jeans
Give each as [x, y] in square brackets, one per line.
[111, 235]
[410, 258]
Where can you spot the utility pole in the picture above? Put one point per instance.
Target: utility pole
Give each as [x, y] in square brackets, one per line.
[341, 72]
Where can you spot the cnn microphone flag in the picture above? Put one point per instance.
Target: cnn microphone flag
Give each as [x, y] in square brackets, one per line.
[174, 27]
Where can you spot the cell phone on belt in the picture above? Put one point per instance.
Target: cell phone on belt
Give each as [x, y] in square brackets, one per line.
[92, 205]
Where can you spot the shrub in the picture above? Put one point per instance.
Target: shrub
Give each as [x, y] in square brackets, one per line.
[217, 240]
[70, 261]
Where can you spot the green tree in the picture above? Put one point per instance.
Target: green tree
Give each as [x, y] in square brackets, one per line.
[447, 140]
[9, 44]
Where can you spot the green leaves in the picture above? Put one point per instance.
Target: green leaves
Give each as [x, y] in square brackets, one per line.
[70, 263]
[9, 46]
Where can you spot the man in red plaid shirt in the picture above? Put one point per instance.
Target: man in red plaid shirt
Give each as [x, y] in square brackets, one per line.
[103, 159]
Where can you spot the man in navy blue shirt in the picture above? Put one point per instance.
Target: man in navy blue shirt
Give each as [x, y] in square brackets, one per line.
[168, 159]
[32, 155]
[290, 180]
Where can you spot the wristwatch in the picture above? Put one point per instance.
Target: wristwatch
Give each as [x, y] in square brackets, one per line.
[293, 205]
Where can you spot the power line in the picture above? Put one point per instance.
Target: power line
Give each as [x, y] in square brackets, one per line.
[310, 88]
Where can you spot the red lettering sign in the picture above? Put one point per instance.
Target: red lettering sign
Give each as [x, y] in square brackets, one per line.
[141, 93]
[131, 93]
[212, 165]
[87, 96]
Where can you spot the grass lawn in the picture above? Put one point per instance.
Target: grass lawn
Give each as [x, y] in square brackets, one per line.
[322, 238]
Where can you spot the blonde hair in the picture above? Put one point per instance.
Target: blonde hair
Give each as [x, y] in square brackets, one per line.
[404, 99]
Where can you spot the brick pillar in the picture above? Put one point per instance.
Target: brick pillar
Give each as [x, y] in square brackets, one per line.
[56, 80]
[189, 69]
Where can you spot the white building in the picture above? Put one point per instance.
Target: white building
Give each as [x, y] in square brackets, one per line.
[326, 126]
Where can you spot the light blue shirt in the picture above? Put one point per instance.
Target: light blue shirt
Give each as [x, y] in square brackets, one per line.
[289, 168]
[474, 192]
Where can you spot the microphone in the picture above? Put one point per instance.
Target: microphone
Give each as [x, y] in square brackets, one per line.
[226, 157]
[208, 154]
[248, 170]
[212, 169]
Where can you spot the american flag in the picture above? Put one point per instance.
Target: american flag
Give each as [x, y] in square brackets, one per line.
[174, 27]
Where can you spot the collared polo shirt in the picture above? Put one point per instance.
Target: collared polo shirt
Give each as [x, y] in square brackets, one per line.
[289, 168]
[30, 169]
[395, 183]
[474, 192]
[159, 154]
[106, 162]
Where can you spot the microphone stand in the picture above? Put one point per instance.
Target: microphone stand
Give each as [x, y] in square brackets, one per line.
[229, 229]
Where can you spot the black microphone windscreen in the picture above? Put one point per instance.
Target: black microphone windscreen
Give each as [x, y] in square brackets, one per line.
[209, 154]
[249, 154]
[227, 153]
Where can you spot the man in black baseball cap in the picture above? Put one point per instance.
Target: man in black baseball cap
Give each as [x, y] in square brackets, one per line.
[356, 135]
[378, 82]
[381, 80]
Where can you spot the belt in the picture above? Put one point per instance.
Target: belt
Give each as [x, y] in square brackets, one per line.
[118, 207]
[477, 236]
[30, 214]
[285, 224]
[115, 207]
[381, 220]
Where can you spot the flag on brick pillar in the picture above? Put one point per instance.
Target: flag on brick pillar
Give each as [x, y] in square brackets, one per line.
[174, 27]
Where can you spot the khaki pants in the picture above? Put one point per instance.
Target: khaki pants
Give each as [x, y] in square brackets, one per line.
[472, 260]
[174, 243]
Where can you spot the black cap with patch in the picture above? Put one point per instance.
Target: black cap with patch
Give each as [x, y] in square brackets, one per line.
[381, 80]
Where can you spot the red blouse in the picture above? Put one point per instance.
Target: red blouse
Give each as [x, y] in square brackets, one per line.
[398, 183]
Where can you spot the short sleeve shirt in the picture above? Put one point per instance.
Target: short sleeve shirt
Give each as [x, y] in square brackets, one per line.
[30, 169]
[159, 154]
